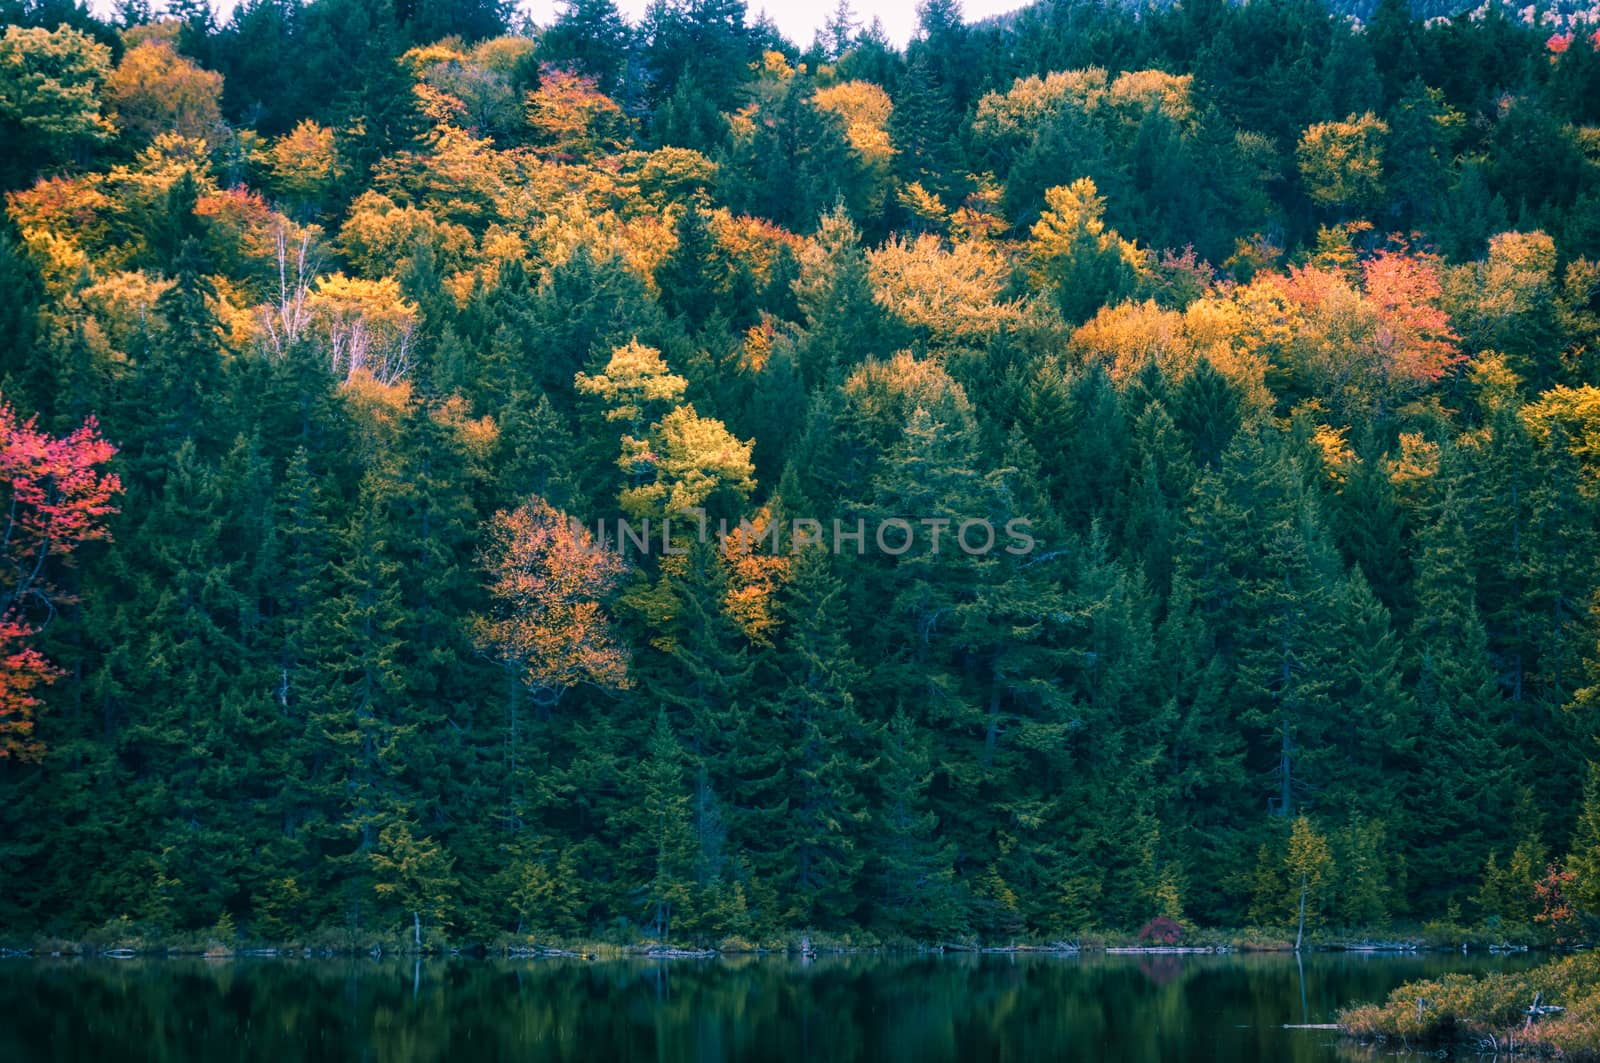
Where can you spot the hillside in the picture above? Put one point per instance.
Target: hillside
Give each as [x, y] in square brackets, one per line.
[468, 481]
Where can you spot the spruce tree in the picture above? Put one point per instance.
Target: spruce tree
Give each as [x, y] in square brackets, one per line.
[660, 834]
[1460, 750]
[686, 277]
[356, 725]
[916, 890]
[830, 759]
[1583, 854]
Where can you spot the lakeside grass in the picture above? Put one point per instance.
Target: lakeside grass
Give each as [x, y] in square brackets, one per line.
[1489, 1013]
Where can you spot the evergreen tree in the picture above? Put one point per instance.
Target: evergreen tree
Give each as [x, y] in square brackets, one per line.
[1583, 858]
[591, 38]
[916, 885]
[829, 766]
[414, 874]
[685, 277]
[1453, 829]
[343, 664]
[662, 835]
[356, 725]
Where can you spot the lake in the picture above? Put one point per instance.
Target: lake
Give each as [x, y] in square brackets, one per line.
[919, 1009]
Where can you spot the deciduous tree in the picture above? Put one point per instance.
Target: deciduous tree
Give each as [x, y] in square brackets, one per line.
[547, 579]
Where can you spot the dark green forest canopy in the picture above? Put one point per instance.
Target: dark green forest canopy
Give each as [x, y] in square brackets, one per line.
[1278, 329]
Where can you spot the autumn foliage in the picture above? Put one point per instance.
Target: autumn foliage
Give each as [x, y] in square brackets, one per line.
[56, 498]
[1414, 337]
[1552, 894]
[546, 577]
[1280, 331]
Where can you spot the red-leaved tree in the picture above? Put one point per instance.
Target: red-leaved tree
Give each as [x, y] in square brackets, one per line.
[1553, 895]
[55, 497]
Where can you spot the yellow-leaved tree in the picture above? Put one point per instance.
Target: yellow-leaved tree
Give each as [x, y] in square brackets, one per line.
[155, 90]
[685, 461]
[864, 109]
[572, 119]
[1075, 256]
[548, 579]
[1016, 115]
[304, 162]
[50, 83]
[681, 461]
[950, 295]
[363, 326]
[632, 382]
[1308, 869]
[1341, 163]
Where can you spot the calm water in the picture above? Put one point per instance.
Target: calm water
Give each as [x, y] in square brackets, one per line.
[920, 1010]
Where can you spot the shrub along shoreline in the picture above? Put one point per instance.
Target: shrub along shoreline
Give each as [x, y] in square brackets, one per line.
[1550, 1010]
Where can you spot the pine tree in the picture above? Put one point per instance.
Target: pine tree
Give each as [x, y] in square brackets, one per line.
[1370, 525]
[1369, 875]
[843, 323]
[686, 276]
[1264, 577]
[1087, 450]
[923, 126]
[1203, 760]
[177, 382]
[591, 38]
[1162, 478]
[1376, 730]
[535, 453]
[1507, 895]
[1112, 789]
[1207, 408]
[736, 739]
[189, 738]
[356, 723]
[19, 326]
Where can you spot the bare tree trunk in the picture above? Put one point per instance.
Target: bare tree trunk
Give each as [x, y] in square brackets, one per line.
[1300, 934]
[416, 928]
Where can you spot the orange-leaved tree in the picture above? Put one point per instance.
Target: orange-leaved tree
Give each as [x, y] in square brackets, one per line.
[547, 576]
[1415, 340]
[55, 497]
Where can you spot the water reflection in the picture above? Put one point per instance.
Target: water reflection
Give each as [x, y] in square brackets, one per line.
[915, 1009]
[1161, 969]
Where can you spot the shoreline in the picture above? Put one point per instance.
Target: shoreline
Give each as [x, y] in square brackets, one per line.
[805, 946]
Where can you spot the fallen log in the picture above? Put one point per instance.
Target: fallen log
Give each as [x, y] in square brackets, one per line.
[522, 952]
[658, 952]
[1381, 946]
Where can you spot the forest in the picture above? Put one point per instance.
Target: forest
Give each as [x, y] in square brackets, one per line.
[332, 330]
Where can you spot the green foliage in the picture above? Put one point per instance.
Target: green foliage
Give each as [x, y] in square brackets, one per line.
[49, 92]
[1309, 605]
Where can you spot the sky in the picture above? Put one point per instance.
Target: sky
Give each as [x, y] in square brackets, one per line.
[798, 19]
